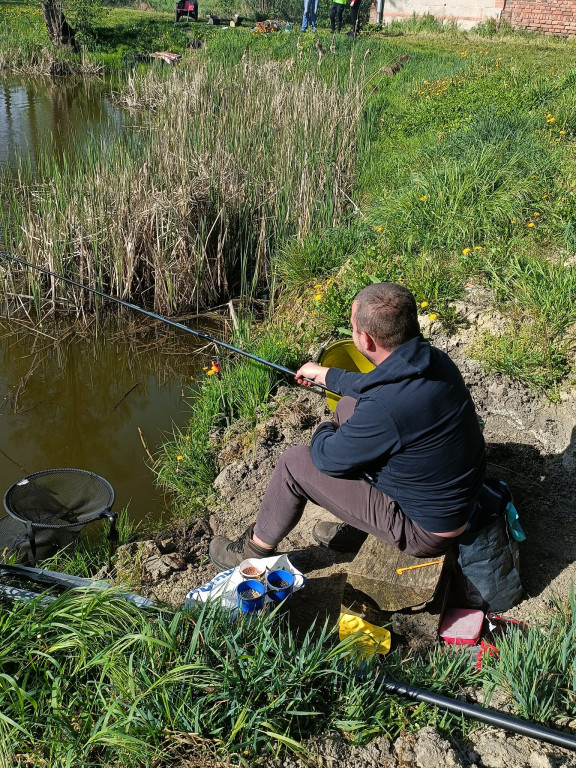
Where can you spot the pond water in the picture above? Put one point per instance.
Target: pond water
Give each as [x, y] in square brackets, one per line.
[93, 401]
[63, 394]
[37, 112]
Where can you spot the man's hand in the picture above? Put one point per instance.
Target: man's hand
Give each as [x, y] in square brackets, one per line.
[316, 374]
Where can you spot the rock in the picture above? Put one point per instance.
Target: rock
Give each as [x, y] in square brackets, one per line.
[155, 568]
[230, 477]
[175, 561]
[165, 543]
[539, 760]
[426, 749]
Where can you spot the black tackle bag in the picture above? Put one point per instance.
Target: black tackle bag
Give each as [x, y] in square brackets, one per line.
[488, 551]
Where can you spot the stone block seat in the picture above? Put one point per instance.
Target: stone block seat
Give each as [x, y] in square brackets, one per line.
[396, 581]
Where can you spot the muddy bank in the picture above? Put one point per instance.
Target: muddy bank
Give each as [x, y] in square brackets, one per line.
[531, 445]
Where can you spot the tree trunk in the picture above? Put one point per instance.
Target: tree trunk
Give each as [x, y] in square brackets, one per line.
[59, 31]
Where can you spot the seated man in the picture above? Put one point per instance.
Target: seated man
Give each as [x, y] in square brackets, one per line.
[403, 458]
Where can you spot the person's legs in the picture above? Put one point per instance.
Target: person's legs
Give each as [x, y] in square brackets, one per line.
[339, 13]
[313, 13]
[355, 502]
[310, 15]
[333, 11]
[305, 16]
[354, 17]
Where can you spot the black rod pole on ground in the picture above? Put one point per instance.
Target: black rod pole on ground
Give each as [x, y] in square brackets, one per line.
[155, 316]
[483, 715]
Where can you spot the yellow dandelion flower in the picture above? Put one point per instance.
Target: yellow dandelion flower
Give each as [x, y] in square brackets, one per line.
[531, 224]
[379, 229]
[544, 196]
[466, 251]
[432, 317]
[179, 458]
[424, 197]
[562, 133]
[317, 287]
[478, 248]
[187, 437]
[313, 312]
[536, 213]
[329, 281]
[318, 297]
[424, 304]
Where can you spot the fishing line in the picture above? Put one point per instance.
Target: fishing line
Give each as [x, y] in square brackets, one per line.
[161, 318]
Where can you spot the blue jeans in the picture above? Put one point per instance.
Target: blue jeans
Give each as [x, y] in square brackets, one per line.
[310, 14]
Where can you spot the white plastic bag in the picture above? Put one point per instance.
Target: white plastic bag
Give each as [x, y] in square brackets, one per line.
[223, 585]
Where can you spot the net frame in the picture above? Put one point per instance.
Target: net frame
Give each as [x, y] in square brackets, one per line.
[82, 519]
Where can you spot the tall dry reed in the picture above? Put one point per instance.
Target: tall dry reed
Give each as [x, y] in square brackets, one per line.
[185, 206]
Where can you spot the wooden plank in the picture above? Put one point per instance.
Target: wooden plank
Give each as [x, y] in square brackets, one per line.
[375, 572]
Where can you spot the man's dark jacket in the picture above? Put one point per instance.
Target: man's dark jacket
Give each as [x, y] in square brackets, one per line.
[414, 431]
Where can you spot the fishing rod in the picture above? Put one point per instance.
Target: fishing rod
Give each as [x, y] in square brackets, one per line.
[475, 712]
[155, 316]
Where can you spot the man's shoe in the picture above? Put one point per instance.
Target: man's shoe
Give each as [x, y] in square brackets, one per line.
[226, 554]
[339, 536]
[313, 30]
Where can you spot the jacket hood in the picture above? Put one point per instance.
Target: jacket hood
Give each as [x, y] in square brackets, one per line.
[408, 361]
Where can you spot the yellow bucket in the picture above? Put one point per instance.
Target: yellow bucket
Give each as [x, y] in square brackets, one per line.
[343, 354]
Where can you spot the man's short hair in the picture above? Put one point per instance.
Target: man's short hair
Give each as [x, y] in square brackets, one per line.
[387, 311]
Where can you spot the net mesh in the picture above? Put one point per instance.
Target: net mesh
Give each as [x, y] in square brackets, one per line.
[58, 498]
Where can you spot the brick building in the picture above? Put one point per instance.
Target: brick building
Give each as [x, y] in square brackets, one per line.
[550, 17]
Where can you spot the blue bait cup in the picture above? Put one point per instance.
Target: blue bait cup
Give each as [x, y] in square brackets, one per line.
[280, 585]
[250, 596]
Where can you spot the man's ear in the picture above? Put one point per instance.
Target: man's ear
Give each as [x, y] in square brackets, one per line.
[368, 341]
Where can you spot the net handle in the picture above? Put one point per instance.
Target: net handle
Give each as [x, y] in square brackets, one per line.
[90, 517]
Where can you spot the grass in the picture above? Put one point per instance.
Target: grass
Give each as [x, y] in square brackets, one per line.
[90, 680]
[187, 465]
[535, 666]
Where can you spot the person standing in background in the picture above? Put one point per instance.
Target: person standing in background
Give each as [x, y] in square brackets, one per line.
[336, 12]
[310, 15]
[354, 10]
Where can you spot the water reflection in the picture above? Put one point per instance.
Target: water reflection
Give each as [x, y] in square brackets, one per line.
[71, 400]
[54, 112]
